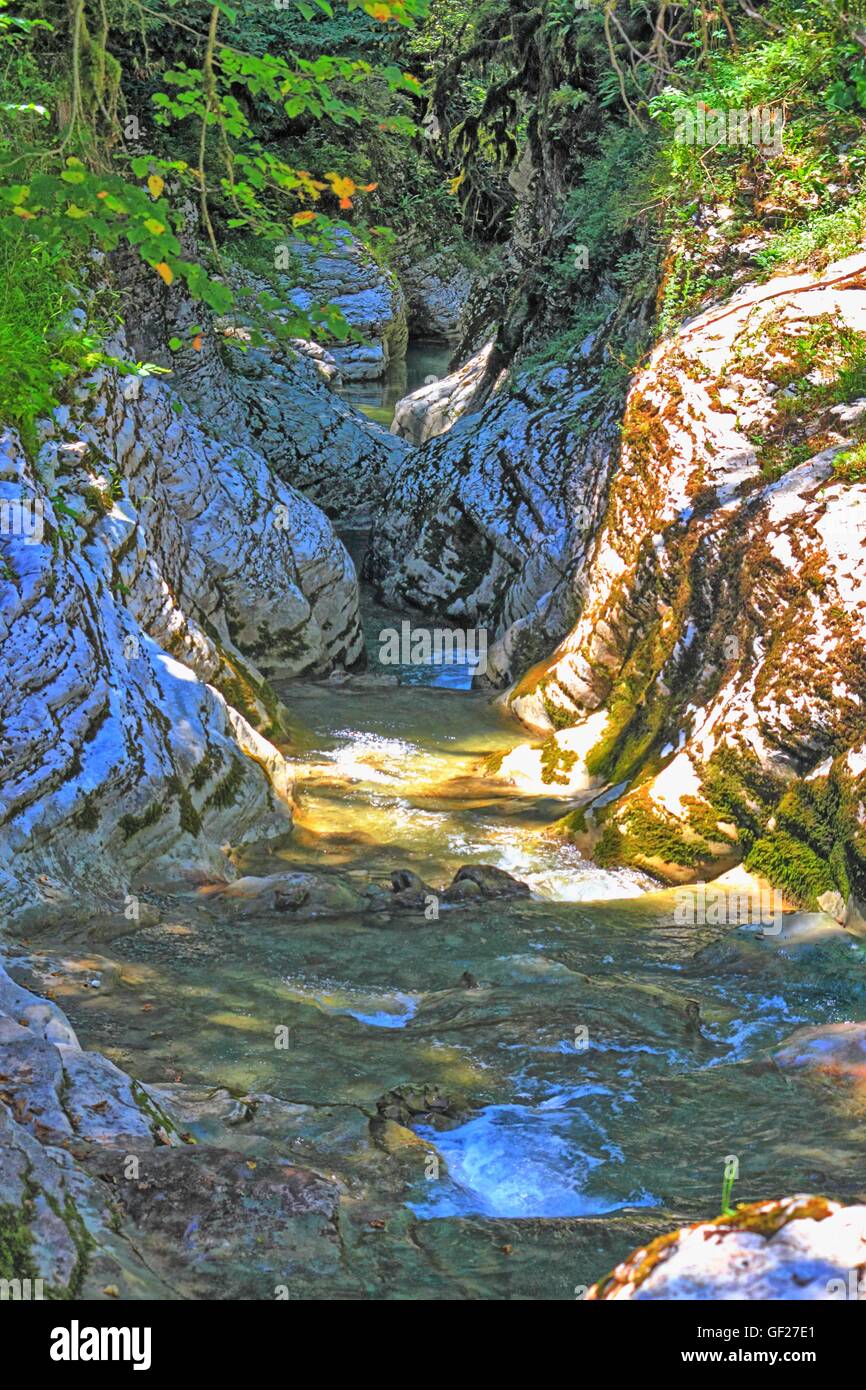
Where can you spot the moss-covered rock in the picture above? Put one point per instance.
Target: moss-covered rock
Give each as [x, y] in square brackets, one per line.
[714, 685]
[796, 1248]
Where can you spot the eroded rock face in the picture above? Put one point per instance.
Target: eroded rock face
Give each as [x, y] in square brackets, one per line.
[116, 757]
[168, 563]
[720, 653]
[492, 523]
[345, 276]
[437, 289]
[800, 1248]
[213, 536]
[278, 401]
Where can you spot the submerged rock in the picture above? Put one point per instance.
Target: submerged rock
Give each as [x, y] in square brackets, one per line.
[408, 1105]
[799, 1248]
[833, 1049]
[299, 895]
[487, 881]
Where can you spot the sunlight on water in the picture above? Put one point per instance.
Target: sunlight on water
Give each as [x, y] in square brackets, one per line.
[383, 785]
[385, 1010]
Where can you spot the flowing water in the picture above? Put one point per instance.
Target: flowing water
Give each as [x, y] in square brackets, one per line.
[596, 1062]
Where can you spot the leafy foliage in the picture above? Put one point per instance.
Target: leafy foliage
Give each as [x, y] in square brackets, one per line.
[73, 175]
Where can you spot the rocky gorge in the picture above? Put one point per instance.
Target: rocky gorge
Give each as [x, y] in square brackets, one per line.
[327, 977]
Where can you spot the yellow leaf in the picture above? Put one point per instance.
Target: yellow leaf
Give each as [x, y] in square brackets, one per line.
[155, 185]
[22, 212]
[165, 271]
[75, 212]
[153, 226]
[454, 184]
[301, 218]
[342, 188]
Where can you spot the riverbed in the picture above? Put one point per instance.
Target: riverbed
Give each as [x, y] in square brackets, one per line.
[594, 1063]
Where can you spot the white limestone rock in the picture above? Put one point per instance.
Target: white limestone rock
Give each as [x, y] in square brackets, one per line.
[116, 758]
[492, 523]
[437, 289]
[279, 400]
[724, 613]
[800, 1249]
[431, 410]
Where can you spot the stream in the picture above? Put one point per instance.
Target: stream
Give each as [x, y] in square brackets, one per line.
[597, 1063]
[377, 399]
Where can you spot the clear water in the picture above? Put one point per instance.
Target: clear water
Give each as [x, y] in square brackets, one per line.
[377, 399]
[586, 1112]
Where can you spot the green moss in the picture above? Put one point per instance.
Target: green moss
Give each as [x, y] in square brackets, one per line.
[850, 465]
[759, 1218]
[156, 1115]
[791, 865]
[556, 762]
[491, 764]
[130, 825]
[68, 1213]
[98, 500]
[739, 789]
[574, 823]
[88, 817]
[642, 832]
[225, 793]
[559, 716]
[16, 1245]
[190, 820]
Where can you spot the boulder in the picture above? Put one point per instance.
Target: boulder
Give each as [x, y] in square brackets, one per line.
[486, 880]
[434, 408]
[410, 891]
[800, 1248]
[836, 1050]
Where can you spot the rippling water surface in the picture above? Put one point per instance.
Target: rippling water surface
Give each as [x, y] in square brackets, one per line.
[597, 1063]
